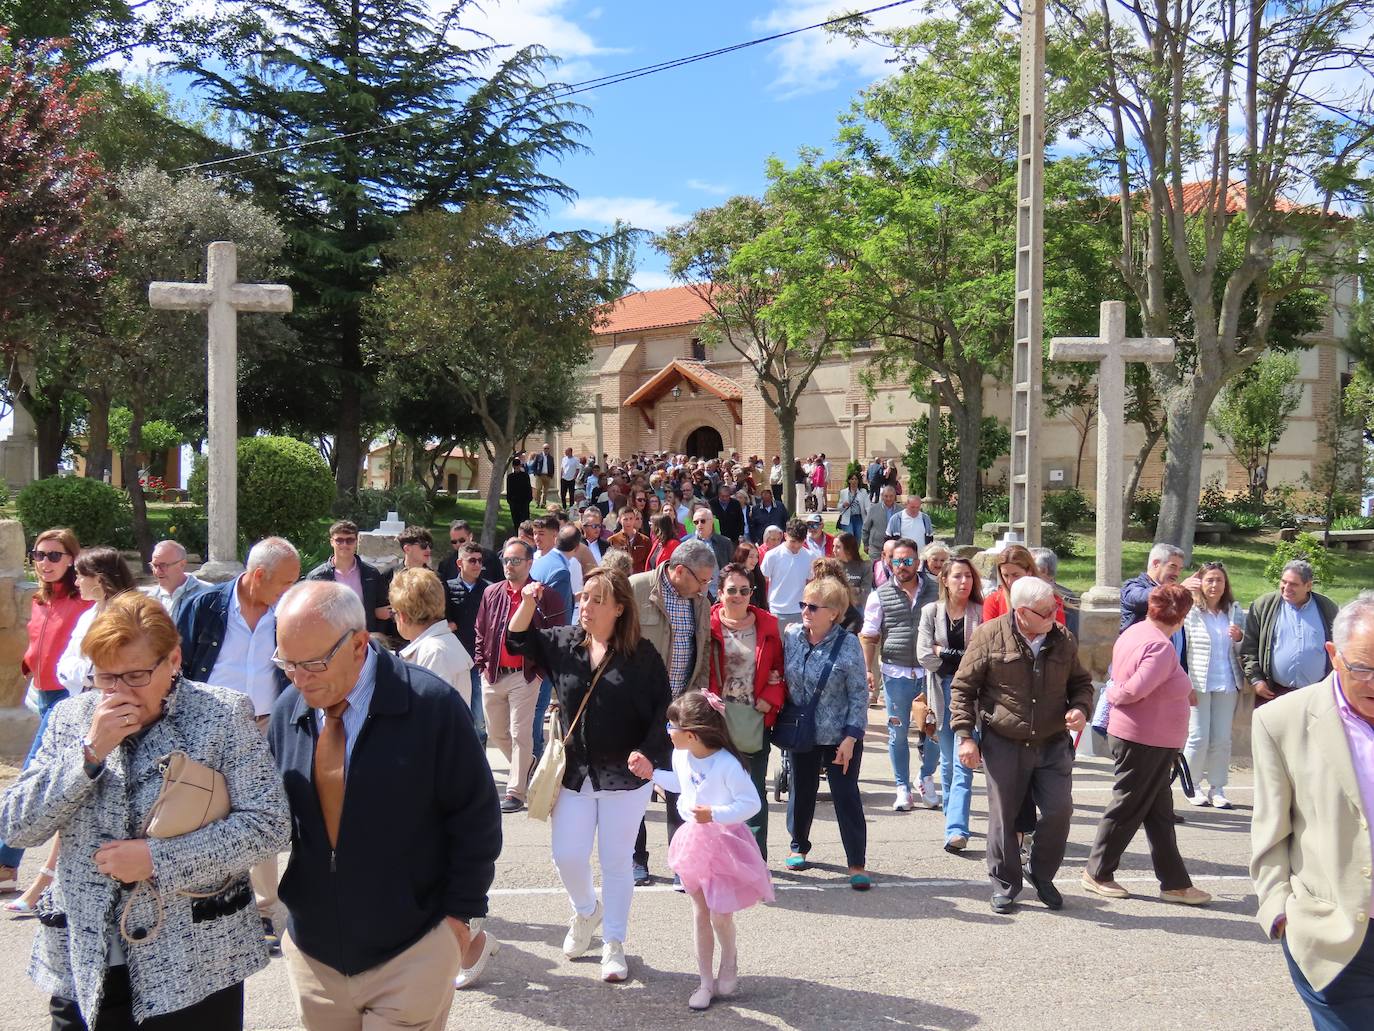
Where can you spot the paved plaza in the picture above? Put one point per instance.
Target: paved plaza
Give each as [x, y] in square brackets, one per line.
[921, 950]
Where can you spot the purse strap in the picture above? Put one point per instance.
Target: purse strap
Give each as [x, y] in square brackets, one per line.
[815, 699]
[596, 676]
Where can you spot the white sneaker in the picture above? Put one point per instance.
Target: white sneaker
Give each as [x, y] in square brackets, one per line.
[928, 795]
[903, 802]
[1198, 799]
[580, 931]
[1221, 801]
[613, 965]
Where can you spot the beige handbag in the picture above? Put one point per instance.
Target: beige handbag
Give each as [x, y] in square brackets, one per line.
[547, 779]
[192, 796]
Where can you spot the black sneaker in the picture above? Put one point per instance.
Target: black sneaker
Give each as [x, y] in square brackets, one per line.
[511, 804]
[1002, 903]
[271, 937]
[1047, 892]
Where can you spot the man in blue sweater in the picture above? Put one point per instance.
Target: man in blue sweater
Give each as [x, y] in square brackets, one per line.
[396, 825]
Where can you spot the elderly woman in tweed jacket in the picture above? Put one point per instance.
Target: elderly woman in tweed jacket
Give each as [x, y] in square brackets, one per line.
[94, 780]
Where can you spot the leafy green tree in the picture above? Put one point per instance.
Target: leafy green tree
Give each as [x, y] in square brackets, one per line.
[1252, 412]
[1232, 97]
[497, 316]
[921, 214]
[382, 110]
[994, 441]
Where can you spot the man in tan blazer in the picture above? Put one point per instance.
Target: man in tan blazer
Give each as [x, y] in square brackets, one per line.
[1312, 855]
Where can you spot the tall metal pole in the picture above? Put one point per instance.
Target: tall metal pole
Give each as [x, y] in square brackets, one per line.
[1027, 356]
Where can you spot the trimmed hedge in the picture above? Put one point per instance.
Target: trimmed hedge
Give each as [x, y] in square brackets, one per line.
[285, 488]
[96, 512]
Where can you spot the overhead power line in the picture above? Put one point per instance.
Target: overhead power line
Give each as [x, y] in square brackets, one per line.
[564, 90]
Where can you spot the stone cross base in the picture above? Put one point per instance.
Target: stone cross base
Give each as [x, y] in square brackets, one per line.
[16, 595]
[219, 572]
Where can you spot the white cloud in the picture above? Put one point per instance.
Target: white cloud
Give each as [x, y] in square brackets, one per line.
[547, 23]
[640, 212]
[703, 186]
[646, 280]
[817, 60]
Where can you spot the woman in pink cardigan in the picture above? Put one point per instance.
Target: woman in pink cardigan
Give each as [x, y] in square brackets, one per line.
[1150, 697]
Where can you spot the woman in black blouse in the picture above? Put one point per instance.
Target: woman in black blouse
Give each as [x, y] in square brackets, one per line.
[625, 717]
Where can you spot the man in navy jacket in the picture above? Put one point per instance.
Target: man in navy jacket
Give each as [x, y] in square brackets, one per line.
[395, 825]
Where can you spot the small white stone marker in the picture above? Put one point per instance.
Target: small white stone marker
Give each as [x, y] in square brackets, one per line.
[223, 297]
[1111, 350]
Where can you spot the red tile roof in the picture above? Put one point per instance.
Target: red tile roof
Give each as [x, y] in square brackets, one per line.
[694, 373]
[654, 309]
[1199, 196]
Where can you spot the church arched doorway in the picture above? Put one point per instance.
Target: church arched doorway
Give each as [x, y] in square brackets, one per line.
[703, 442]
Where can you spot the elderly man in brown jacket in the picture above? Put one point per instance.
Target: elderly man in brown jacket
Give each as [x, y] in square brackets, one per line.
[1021, 680]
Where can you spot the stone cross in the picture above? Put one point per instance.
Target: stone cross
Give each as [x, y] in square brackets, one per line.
[223, 297]
[1111, 350]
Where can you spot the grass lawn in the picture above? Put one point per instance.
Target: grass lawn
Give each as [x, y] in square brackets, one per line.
[1245, 558]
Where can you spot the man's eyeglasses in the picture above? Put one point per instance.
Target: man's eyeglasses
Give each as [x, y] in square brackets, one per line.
[1038, 615]
[1362, 674]
[158, 567]
[47, 556]
[421, 545]
[311, 665]
[512, 560]
[477, 559]
[344, 541]
[131, 677]
[457, 542]
[903, 562]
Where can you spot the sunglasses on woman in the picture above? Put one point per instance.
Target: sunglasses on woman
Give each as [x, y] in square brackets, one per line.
[47, 556]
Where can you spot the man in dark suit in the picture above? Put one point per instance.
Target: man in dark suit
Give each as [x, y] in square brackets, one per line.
[519, 492]
[728, 512]
[766, 513]
[421, 806]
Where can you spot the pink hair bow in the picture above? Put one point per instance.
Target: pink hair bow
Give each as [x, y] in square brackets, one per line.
[715, 702]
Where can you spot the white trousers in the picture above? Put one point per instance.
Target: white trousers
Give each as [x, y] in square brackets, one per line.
[1208, 750]
[613, 817]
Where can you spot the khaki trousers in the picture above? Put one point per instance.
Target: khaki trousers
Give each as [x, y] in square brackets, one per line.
[543, 488]
[413, 990]
[510, 705]
[264, 876]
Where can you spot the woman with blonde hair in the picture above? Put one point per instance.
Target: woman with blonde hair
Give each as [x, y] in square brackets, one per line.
[1213, 634]
[824, 670]
[418, 602]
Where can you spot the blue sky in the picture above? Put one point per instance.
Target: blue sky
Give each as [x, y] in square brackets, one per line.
[669, 144]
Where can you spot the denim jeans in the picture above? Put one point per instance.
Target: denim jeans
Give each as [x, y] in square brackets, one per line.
[1208, 750]
[899, 693]
[956, 779]
[46, 700]
[479, 718]
[1347, 1003]
[844, 792]
[541, 708]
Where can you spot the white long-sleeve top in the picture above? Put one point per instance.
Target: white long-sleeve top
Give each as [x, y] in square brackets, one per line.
[718, 780]
[73, 667]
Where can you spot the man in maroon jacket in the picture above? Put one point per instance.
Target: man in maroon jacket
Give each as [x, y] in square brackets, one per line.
[510, 683]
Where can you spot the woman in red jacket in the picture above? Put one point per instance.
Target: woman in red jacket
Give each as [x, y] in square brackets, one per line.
[56, 608]
[664, 533]
[1015, 562]
[746, 672]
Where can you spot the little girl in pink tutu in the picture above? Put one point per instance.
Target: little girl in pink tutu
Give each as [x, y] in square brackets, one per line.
[713, 852]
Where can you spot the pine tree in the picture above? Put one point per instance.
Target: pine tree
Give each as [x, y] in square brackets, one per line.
[386, 111]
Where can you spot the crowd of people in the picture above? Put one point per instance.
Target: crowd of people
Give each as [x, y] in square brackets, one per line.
[671, 663]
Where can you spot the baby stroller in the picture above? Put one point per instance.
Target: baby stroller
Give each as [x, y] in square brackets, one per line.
[782, 783]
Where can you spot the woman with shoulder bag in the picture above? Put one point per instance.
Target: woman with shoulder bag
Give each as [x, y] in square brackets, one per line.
[612, 691]
[946, 627]
[1213, 634]
[747, 675]
[149, 929]
[822, 723]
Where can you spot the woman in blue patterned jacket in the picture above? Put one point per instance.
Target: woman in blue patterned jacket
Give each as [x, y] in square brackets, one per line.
[818, 642]
[135, 927]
